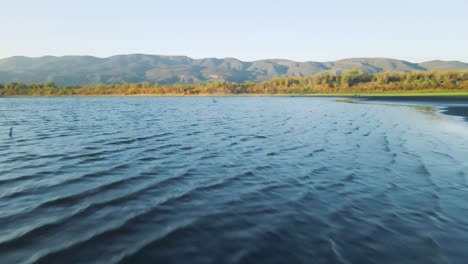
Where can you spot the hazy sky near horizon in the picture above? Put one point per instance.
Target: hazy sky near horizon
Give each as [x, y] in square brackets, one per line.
[249, 30]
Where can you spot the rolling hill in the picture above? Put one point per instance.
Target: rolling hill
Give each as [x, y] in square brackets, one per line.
[135, 68]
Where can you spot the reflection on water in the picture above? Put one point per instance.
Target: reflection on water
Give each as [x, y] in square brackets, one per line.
[245, 180]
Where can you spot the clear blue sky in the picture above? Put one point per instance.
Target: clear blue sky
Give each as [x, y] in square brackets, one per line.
[300, 30]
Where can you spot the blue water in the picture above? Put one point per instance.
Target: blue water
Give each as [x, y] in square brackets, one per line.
[243, 180]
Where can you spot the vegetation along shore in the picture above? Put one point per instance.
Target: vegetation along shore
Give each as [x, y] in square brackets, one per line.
[353, 82]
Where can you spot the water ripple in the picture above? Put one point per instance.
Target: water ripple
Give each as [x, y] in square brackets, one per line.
[182, 180]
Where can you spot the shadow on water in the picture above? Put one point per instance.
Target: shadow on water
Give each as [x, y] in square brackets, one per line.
[450, 105]
[429, 110]
[461, 111]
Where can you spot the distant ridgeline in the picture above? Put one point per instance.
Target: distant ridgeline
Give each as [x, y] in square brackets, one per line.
[353, 81]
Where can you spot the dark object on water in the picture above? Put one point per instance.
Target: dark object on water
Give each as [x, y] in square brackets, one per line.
[11, 131]
[214, 100]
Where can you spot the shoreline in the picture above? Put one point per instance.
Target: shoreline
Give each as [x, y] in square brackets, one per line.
[435, 96]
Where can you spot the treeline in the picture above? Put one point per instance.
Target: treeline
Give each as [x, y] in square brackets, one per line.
[352, 81]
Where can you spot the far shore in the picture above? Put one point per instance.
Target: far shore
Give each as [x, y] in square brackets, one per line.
[424, 96]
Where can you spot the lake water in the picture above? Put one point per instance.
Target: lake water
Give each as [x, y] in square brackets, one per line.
[242, 180]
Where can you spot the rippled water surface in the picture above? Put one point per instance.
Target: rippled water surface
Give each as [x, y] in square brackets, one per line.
[243, 180]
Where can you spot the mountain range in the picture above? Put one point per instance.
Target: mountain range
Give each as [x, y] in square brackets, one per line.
[136, 68]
